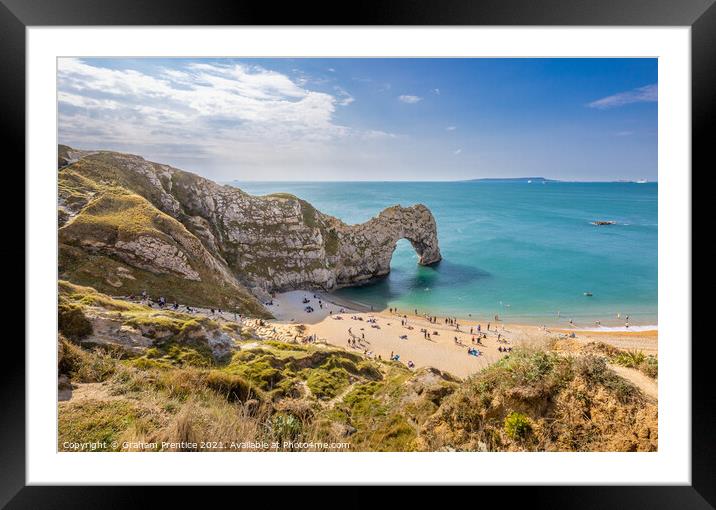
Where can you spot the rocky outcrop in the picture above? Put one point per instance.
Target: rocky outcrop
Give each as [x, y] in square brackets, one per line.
[268, 243]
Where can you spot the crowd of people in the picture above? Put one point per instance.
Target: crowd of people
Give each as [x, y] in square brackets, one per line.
[357, 340]
[478, 336]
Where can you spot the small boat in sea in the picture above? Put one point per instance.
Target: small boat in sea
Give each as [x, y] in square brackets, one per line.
[604, 222]
[588, 294]
[641, 181]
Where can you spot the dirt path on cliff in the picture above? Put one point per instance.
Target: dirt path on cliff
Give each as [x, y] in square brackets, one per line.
[645, 383]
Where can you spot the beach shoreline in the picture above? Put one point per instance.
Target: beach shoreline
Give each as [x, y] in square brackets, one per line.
[438, 343]
[608, 324]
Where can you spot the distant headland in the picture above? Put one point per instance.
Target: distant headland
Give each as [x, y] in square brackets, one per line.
[512, 179]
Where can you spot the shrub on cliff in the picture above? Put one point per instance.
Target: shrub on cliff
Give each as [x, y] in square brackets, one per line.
[540, 401]
[649, 365]
[84, 366]
[72, 321]
[517, 425]
[234, 387]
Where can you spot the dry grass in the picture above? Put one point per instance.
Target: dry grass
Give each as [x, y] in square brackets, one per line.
[175, 394]
[539, 401]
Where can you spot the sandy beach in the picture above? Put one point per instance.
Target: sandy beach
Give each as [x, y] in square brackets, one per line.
[384, 333]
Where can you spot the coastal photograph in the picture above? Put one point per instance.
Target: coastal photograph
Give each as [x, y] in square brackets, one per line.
[357, 254]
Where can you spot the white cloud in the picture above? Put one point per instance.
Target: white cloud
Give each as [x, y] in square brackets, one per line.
[624, 133]
[227, 111]
[224, 120]
[646, 94]
[436, 92]
[458, 151]
[344, 98]
[450, 128]
[373, 134]
[409, 99]
[199, 93]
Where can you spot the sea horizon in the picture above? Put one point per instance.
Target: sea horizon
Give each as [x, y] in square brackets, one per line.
[500, 180]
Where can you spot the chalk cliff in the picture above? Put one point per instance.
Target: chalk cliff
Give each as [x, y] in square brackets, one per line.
[155, 220]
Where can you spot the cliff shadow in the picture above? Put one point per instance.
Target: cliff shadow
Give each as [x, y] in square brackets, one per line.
[401, 281]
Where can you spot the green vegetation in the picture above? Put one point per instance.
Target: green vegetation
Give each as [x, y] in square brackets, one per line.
[179, 339]
[87, 296]
[649, 365]
[82, 365]
[234, 387]
[537, 400]
[143, 374]
[96, 421]
[72, 322]
[517, 425]
[114, 205]
[530, 400]
[148, 402]
[286, 370]
[104, 274]
[331, 240]
[179, 354]
[117, 213]
[327, 383]
[107, 170]
[308, 212]
[285, 427]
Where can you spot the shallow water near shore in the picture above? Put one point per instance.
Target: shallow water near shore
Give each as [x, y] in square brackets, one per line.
[524, 251]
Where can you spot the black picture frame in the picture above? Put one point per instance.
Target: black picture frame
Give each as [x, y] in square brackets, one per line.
[700, 15]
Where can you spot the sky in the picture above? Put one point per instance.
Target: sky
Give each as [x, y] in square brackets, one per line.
[368, 119]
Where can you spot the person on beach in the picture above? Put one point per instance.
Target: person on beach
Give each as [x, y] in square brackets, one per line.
[488, 326]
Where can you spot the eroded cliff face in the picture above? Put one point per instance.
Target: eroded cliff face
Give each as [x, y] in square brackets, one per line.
[268, 243]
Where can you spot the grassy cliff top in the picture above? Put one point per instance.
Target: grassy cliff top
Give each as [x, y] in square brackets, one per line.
[264, 389]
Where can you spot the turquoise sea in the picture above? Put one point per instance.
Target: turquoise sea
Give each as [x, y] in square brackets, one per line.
[524, 251]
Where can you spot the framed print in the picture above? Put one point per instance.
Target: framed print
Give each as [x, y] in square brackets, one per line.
[439, 246]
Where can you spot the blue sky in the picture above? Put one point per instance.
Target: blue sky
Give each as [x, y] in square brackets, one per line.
[369, 119]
